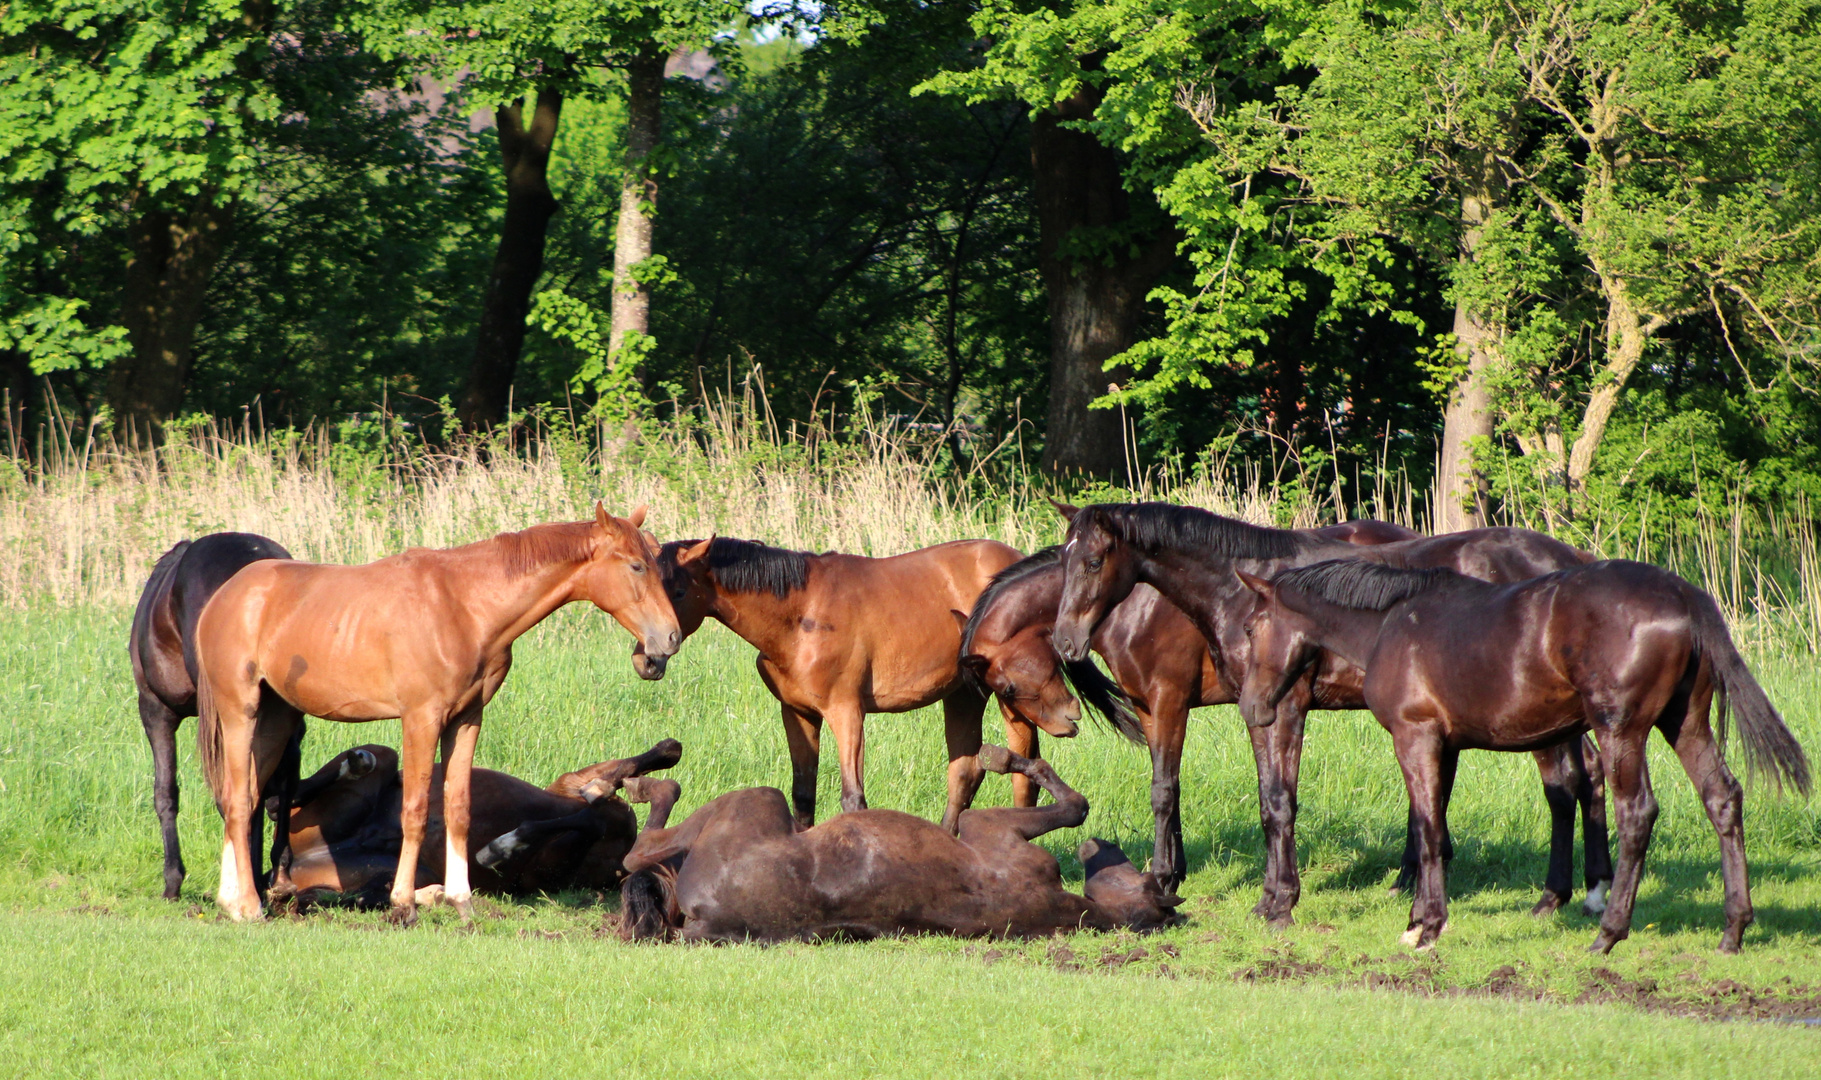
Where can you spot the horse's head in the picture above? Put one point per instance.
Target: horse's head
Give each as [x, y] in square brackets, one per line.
[1130, 897]
[1283, 645]
[684, 566]
[1099, 571]
[622, 579]
[1018, 665]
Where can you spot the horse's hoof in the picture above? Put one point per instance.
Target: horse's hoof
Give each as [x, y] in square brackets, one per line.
[1410, 937]
[403, 916]
[1595, 903]
[1602, 944]
[995, 759]
[1547, 906]
[429, 896]
[464, 907]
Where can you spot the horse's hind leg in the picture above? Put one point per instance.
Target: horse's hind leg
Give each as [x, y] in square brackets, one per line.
[961, 712]
[1596, 847]
[160, 722]
[1068, 811]
[1635, 807]
[1555, 766]
[286, 723]
[1725, 803]
[804, 734]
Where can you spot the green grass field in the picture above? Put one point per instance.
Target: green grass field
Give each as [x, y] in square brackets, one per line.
[102, 978]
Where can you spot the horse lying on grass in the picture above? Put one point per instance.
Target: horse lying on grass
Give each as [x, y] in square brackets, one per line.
[346, 836]
[1452, 663]
[738, 869]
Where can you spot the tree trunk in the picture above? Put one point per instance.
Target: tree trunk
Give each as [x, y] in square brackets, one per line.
[1095, 299]
[1627, 333]
[1460, 492]
[631, 315]
[519, 260]
[162, 294]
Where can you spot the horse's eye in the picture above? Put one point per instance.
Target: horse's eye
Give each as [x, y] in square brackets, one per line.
[1011, 689]
[638, 568]
[1094, 565]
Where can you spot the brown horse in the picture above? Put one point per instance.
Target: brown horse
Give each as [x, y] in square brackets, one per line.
[1452, 663]
[739, 869]
[162, 645]
[1190, 555]
[840, 636]
[1163, 668]
[345, 830]
[425, 636]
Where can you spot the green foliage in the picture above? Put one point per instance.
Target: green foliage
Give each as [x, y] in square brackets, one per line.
[611, 378]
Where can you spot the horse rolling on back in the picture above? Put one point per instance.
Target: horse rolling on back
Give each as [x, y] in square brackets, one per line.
[1451, 663]
[740, 870]
[573, 834]
[1190, 555]
[425, 636]
[162, 646]
[840, 636]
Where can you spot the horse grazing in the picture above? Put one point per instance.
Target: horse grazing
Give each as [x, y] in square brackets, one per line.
[346, 836]
[425, 636]
[739, 869]
[840, 636]
[162, 645]
[1160, 662]
[1190, 555]
[1452, 663]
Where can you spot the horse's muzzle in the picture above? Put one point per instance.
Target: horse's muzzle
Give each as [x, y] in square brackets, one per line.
[648, 666]
[1069, 643]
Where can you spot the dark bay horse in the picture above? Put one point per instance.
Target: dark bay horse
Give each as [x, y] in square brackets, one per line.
[573, 834]
[1451, 663]
[425, 636]
[162, 645]
[840, 636]
[739, 869]
[1190, 556]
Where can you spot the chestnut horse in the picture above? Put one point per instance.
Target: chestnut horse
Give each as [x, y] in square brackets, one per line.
[840, 636]
[1190, 555]
[162, 646]
[1452, 663]
[425, 636]
[1164, 668]
[345, 831]
[739, 869]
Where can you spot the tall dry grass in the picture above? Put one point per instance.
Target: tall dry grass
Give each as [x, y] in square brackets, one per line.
[82, 519]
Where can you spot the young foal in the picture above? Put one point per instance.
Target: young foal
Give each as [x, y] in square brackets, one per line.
[840, 636]
[1190, 556]
[1451, 663]
[425, 636]
[162, 646]
[571, 835]
[740, 870]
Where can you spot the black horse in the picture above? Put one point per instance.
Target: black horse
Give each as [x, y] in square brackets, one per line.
[163, 649]
[1452, 663]
[1190, 555]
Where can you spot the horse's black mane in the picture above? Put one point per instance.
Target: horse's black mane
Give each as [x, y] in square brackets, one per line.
[1153, 525]
[1362, 586]
[749, 566]
[1033, 563]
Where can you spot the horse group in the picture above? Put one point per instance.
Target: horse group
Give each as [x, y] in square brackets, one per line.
[1499, 639]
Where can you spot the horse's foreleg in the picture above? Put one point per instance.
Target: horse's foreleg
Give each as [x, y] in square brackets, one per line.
[1596, 848]
[1423, 758]
[160, 722]
[1166, 724]
[237, 792]
[1278, 751]
[1021, 738]
[1557, 771]
[1725, 804]
[422, 730]
[459, 739]
[1635, 807]
[1068, 810]
[804, 734]
[849, 724]
[961, 713]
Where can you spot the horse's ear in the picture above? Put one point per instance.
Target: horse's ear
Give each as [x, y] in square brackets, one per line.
[1261, 586]
[960, 619]
[1067, 511]
[637, 517]
[695, 551]
[602, 519]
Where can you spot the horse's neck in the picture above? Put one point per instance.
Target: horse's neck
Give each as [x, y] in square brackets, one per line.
[509, 604]
[1346, 632]
[1031, 601]
[761, 618]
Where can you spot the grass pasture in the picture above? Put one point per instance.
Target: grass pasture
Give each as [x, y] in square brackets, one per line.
[102, 976]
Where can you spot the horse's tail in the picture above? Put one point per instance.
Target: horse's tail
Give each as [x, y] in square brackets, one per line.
[1769, 744]
[208, 735]
[1109, 702]
[648, 905]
